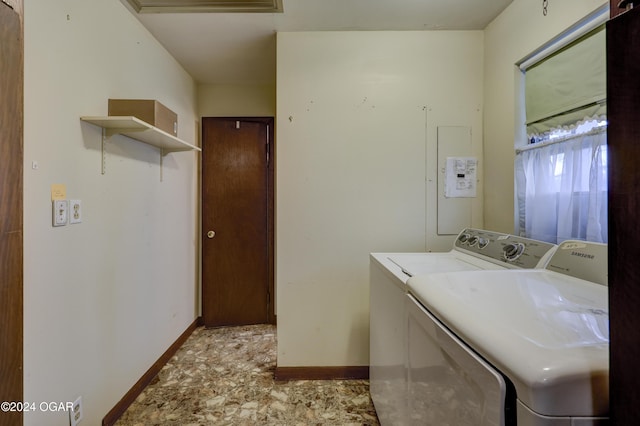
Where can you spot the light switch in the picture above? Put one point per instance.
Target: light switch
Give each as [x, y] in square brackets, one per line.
[75, 211]
[60, 212]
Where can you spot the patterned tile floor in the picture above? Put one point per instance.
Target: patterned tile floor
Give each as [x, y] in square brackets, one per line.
[224, 376]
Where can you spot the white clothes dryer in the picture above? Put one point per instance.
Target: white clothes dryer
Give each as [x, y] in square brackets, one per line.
[526, 347]
[473, 250]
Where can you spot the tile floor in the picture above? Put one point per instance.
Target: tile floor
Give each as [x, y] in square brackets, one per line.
[224, 376]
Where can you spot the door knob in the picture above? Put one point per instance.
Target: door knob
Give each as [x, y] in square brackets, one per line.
[211, 234]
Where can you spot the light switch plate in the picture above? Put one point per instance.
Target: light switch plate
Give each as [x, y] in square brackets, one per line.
[75, 211]
[60, 212]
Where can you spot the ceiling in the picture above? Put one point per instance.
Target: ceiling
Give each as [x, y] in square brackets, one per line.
[240, 48]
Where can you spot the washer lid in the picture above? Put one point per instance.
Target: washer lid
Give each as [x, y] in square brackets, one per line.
[429, 263]
[400, 266]
[547, 332]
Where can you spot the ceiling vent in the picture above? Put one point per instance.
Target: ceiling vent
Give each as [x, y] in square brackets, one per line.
[195, 6]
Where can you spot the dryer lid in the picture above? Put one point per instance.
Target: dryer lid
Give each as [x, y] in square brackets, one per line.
[547, 332]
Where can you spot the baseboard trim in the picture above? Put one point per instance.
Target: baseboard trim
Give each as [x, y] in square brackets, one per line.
[118, 410]
[322, 373]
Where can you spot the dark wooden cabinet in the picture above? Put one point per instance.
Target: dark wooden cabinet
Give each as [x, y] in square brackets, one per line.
[623, 110]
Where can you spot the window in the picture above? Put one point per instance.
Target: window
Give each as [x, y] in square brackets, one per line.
[562, 189]
[561, 168]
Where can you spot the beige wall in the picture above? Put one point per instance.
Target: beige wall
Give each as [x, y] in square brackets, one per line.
[357, 119]
[518, 31]
[105, 298]
[236, 100]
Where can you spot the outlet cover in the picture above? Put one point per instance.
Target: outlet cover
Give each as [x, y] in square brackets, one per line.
[76, 414]
[75, 211]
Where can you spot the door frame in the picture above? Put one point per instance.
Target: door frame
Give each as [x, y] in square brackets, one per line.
[270, 122]
[11, 237]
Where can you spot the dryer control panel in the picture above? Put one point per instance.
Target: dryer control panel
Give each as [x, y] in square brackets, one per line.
[504, 249]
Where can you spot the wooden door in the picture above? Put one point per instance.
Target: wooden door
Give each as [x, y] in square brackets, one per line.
[11, 107]
[237, 221]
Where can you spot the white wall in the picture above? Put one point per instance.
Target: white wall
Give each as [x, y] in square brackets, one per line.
[105, 298]
[513, 35]
[217, 100]
[357, 116]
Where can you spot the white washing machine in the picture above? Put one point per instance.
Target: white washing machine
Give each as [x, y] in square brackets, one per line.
[473, 250]
[526, 347]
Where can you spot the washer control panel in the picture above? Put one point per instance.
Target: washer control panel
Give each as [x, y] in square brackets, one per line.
[504, 249]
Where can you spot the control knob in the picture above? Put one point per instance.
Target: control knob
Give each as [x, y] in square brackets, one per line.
[512, 251]
[462, 238]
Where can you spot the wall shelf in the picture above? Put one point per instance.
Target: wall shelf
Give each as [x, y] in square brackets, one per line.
[141, 131]
[137, 129]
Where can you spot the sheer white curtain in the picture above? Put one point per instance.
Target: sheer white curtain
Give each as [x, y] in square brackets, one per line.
[561, 189]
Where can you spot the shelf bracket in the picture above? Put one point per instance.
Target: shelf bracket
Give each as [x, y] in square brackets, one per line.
[162, 153]
[105, 137]
[107, 133]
